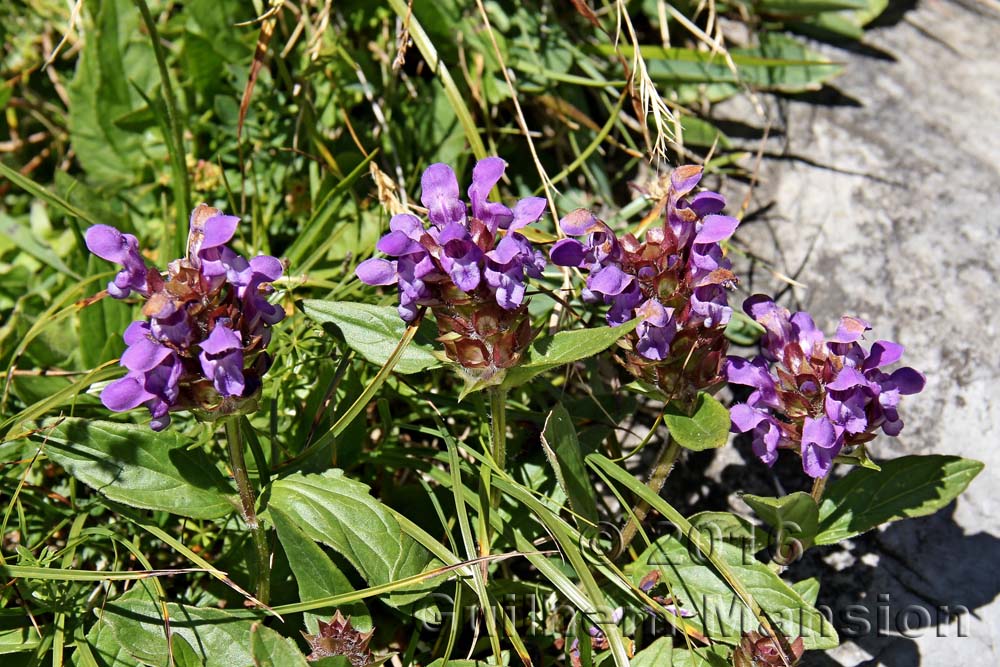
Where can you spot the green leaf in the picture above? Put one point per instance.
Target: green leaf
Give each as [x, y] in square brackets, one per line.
[184, 653]
[563, 348]
[339, 512]
[700, 132]
[563, 451]
[269, 649]
[657, 654]
[909, 486]
[779, 63]
[133, 465]
[662, 653]
[373, 332]
[218, 638]
[719, 613]
[115, 54]
[16, 632]
[806, 7]
[706, 428]
[315, 574]
[808, 589]
[830, 24]
[794, 517]
[706, 656]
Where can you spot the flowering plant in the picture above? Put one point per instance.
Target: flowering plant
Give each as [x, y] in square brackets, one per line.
[821, 395]
[469, 264]
[308, 480]
[674, 281]
[203, 344]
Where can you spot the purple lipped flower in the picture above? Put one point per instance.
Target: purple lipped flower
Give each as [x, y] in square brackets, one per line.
[468, 263]
[222, 359]
[203, 344]
[815, 394]
[110, 244]
[679, 269]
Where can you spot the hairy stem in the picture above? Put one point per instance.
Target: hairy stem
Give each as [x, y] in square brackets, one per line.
[661, 470]
[819, 484]
[237, 462]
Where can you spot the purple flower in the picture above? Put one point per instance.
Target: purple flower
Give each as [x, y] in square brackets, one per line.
[110, 244]
[822, 394]
[203, 344]
[467, 251]
[469, 264]
[675, 281]
[222, 360]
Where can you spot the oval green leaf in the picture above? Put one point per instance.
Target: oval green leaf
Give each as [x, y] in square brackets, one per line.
[373, 332]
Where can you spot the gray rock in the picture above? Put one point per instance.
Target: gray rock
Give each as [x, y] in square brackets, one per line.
[889, 211]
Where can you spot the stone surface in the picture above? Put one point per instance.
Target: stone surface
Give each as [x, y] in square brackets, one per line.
[884, 202]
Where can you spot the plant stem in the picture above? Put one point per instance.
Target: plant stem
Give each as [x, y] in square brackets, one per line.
[248, 500]
[498, 429]
[498, 450]
[818, 486]
[661, 470]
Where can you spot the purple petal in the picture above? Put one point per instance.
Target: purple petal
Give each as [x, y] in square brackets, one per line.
[107, 243]
[376, 271]
[398, 243]
[765, 441]
[710, 304]
[810, 337]
[609, 280]
[753, 374]
[509, 249]
[222, 339]
[219, 229]
[466, 275]
[678, 611]
[716, 228]
[510, 291]
[848, 412]
[269, 268]
[485, 175]
[580, 222]
[847, 378]
[567, 252]
[745, 418]
[439, 193]
[176, 328]
[652, 312]
[135, 331]
[908, 381]
[527, 211]
[850, 330]
[124, 394]
[408, 224]
[820, 443]
[684, 178]
[707, 203]
[144, 355]
[225, 372]
[883, 353]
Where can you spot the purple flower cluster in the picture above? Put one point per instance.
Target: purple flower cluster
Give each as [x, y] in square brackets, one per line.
[457, 248]
[675, 279]
[468, 264]
[821, 394]
[208, 324]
